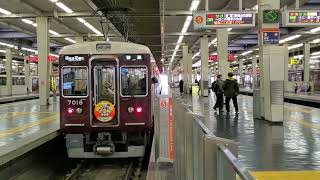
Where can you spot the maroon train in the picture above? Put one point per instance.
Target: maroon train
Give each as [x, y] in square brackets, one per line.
[106, 99]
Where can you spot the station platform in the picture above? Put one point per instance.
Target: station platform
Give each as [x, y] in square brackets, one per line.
[271, 152]
[25, 126]
[22, 97]
[308, 99]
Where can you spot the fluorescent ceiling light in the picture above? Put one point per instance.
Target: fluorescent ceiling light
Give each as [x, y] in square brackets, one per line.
[197, 54]
[27, 21]
[194, 5]
[315, 30]
[229, 29]
[315, 41]
[8, 45]
[3, 11]
[295, 46]
[3, 51]
[314, 57]
[213, 42]
[70, 40]
[186, 24]
[247, 52]
[290, 38]
[315, 53]
[256, 7]
[197, 64]
[89, 26]
[54, 1]
[180, 39]
[64, 7]
[54, 33]
[28, 49]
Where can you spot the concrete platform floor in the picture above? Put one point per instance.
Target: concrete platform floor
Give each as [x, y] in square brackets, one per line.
[295, 145]
[24, 125]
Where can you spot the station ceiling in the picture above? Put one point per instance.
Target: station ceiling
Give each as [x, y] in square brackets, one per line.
[138, 21]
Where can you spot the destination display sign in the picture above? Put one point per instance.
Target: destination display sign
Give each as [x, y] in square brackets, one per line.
[210, 20]
[301, 18]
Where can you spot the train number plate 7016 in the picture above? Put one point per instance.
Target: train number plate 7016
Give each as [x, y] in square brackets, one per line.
[75, 102]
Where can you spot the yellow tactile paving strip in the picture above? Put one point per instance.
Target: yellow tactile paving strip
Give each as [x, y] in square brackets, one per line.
[12, 131]
[287, 175]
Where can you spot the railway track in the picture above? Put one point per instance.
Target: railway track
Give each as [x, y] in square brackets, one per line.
[111, 169]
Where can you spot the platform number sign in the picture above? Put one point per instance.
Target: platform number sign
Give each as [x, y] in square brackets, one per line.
[270, 16]
[271, 36]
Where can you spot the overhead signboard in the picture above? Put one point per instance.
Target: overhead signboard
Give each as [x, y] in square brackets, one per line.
[211, 20]
[34, 58]
[301, 18]
[294, 61]
[214, 58]
[271, 36]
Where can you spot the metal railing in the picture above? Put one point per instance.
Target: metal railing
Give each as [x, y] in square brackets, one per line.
[199, 155]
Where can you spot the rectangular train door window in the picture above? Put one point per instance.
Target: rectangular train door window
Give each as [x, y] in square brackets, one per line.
[104, 99]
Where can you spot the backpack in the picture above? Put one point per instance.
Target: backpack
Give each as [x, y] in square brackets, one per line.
[215, 87]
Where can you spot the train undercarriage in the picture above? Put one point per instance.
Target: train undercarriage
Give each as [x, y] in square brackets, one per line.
[107, 145]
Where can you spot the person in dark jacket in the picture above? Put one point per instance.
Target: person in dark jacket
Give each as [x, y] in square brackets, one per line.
[217, 87]
[231, 91]
[181, 86]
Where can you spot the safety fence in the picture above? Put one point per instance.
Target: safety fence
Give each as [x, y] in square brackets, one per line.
[198, 154]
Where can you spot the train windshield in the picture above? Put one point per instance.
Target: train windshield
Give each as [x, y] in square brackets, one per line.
[105, 87]
[133, 81]
[75, 81]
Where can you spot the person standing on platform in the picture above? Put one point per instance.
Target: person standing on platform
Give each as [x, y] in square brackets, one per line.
[217, 87]
[231, 91]
[181, 86]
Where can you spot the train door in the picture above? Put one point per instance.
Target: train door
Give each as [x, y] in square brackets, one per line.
[104, 88]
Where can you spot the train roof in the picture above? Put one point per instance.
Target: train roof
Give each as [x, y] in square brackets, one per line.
[110, 47]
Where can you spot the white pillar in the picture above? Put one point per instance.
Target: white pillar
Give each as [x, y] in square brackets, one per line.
[254, 71]
[204, 65]
[79, 39]
[241, 71]
[27, 79]
[286, 71]
[222, 50]
[170, 73]
[306, 65]
[9, 71]
[272, 58]
[43, 67]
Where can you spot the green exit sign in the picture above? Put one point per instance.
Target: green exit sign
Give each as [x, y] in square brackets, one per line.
[271, 16]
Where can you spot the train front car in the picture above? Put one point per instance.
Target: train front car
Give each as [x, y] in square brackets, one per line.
[105, 99]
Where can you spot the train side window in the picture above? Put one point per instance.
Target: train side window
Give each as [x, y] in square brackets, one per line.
[75, 81]
[134, 81]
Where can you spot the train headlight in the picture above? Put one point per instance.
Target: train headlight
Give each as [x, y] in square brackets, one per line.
[130, 109]
[79, 110]
[139, 109]
[70, 110]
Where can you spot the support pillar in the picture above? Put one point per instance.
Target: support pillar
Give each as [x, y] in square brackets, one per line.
[79, 39]
[185, 55]
[9, 71]
[272, 58]
[255, 72]
[28, 81]
[306, 60]
[223, 64]
[286, 71]
[43, 66]
[170, 73]
[204, 84]
[241, 71]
